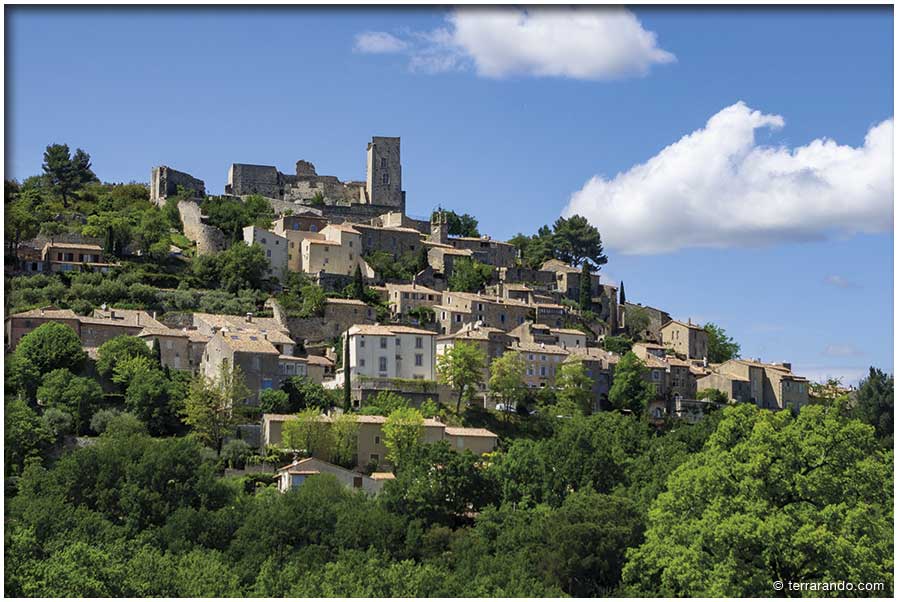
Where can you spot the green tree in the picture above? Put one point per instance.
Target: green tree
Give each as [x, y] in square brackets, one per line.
[636, 322]
[461, 367]
[242, 266]
[459, 225]
[576, 240]
[358, 284]
[721, 348]
[469, 275]
[118, 349]
[403, 430]
[308, 433]
[274, 401]
[713, 395]
[507, 379]
[21, 224]
[770, 498]
[630, 391]
[875, 404]
[313, 301]
[619, 345]
[79, 396]
[26, 437]
[344, 436]
[304, 393]
[586, 286]
[574, 388]
[211, 407]
[50, 346]
[66, 173]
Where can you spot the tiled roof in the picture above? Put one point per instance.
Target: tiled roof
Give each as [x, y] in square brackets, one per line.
[538, 348]
[382, 476]
[127, 317]
[411, 288]
[57, 314]
[344, 301]
[370, 419]
[149, 331]
[456, 431]
[568, 331]
[687, 325]
[318, 360]
[69, 245]
[248, 342]
[387, 330]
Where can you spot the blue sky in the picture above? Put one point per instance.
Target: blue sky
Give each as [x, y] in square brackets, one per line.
[510, 133]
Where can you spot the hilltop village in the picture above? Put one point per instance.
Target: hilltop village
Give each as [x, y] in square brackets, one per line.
[395, 333]
[296, 388]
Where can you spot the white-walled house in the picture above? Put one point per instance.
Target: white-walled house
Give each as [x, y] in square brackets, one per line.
[392, 351]
[274, 247]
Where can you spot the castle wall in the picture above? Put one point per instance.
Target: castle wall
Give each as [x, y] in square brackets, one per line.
[209, 239]
[164, 182]
[244, 179]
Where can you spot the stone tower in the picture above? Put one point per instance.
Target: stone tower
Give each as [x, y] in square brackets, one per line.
[439, 227]
[384, 182]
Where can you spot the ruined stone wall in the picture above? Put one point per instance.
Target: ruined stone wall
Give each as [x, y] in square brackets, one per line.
[245, 179]
[209, 239]
[164, 182]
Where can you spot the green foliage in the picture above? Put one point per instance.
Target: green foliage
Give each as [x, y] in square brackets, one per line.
[636, 322]
[393, 269]
[572, 240]
[574, 389]
[403, 431]
[274, 401]
[99, 422]
[211, 407]
[383, 403]
[50, 346]
[507, 379]
[721, 347]
[239, 267]
[713, 395]
[469, 275]
[26, 436]
[235, 452]
[65, 173]
[231, 215]
[585, 287]
[76, 395]
[304, 393]
[308, 434]
[461, 367]
[875, 404]
[459, 225]
[629, 390]
[118, 349]
[770, 498]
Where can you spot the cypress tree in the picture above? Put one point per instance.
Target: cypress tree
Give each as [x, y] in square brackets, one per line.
[347, 390]
[585, 287]
[623, 297]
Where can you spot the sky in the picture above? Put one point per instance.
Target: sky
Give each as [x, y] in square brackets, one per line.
[738, 162]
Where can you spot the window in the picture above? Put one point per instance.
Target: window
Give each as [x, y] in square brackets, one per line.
[266, 383]
[383, 161]
[383, 364]
[376, 439]
[327, 249]
[350, 244]
[419, 359]
[542, 370]
[361, 362]
[383, 342]
[264, 241]
[419, 342]
[361, 341]
[530, 371]
[268, 252]
[442, 315]
[385, 178]
[656, 375]
[357, 482]
[502, 318]
[375, 459]
[398, 341]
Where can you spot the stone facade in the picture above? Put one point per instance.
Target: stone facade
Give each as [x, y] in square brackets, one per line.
[391, 352]
[458, 309]
[164, 182]
[384, 173]
[686, 339]
[209, 239]
[274, 246]
[396, 241]
[488, 251]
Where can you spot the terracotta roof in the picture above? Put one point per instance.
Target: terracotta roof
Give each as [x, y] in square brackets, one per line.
[556, 265]
[248, 342]
[318, 360]
[262, 324]
[687, 325]
[126, 317]
[538, 348]
[150, 331]
[386, 330]
[344, 301]
[70, 245]
[568, 331]
[48, 313]
[343, 228]
[416, 288]
[456, 431]
[383, 476]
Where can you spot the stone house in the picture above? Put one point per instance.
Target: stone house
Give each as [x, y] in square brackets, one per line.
[274, 246]
[537, 279]
[492, 341]
[442, 257]
[686, 339]
[657, 318]
[296, 228]
[599, 366]
[256, 357]
[542, 363]
[404, 297]
[770, 386]
[74, 257]
[174, 347]
[567, 279]
[340, 252]
[397, 241]
[293, 475]
[270, 328]
[458, 309]
[392, 351]
[94, 330]
[20, 324]
[486, 250]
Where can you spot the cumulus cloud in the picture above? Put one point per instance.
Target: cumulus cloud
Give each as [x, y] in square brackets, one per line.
[570, 42]
[717, 187]
[378, 42]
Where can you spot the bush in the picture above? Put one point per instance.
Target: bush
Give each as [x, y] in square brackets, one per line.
[58, 421]
[99, 422]
[235, 452]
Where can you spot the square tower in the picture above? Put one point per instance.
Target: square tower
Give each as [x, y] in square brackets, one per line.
[384, 182]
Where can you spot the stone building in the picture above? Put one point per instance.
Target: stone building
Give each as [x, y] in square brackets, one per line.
[599, 366]
[274, 246]
[458, 309]
[164, 182]
[542, 363]
[405, 297]
[397, 241]
[176, 347]
[256, 357]
[94, 330]
[271, 329]
[74, 257]
[492, 341]
[382, 187]
[685, 338]
[293, 475]
[488, 251]
[567, 279]
[339, 252]
[391, 351]
[296, 228]
[656, 319]
[770, 386]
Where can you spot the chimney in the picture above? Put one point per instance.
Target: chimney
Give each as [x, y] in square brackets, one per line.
[154, 314]
[42, 311]
[249, 316]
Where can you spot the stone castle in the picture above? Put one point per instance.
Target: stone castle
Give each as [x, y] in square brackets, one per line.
[382, 187]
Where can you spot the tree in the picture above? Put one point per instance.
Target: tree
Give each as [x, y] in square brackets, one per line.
[721, 348]
[304, 393]
[630, 391]
[876, 402]
[50, 346]
[576, 240]
[619, 345]
[119, 349]
[713, 395]
[586, 286]
[344, 437]
[574, 388]
[21, 224]
[507, 379]
[79, 396]
[242, 266]
[461, 367]
[151, 230]
[469, 275]
[209, 408]
[313, 301]
[459, 225]
[770, 498]
[148, 395]
[623, 295]
[65, 173]
[358, 284]
[274, 401]
[636, 322]
[308, 433]
[26, 436]
[403, 430]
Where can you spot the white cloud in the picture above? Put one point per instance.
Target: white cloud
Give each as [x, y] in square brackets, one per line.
[378, 42]
[849, 375]
[842, 350]
[571, 42]
[717, 187]
[839, 281]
